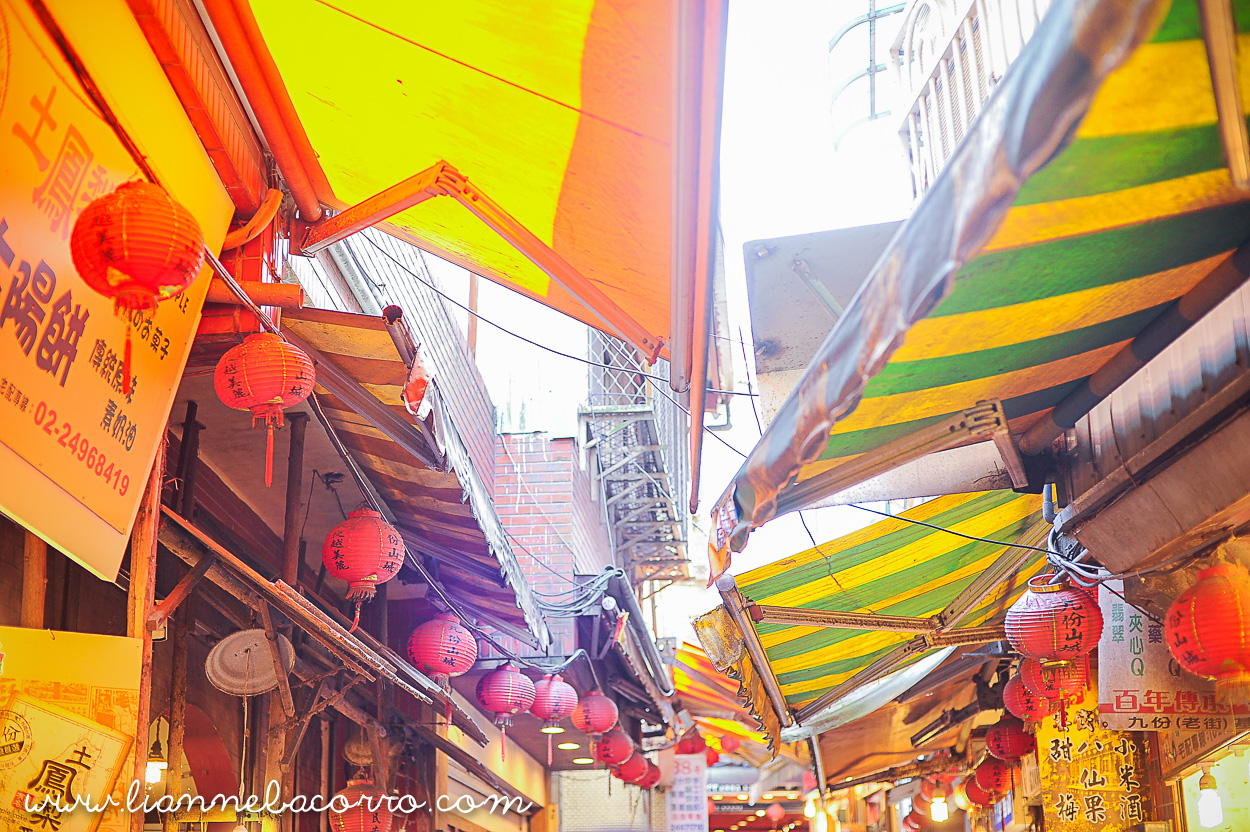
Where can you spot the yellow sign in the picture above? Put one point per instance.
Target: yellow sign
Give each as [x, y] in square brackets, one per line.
[73, 702]
[1094, 780]
[87, 444]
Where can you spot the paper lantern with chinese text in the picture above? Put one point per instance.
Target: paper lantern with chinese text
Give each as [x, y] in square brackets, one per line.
[364, 550]
[442, 648]
[1022, 702]
[691, 742]
[1007, 739]
[995, 775]
[138, 246]
[633, 769]
[614, 748]
[1053, 622]
[368, 812]
[775, 812]
[730, 744]
[505, 692]
[554, 700]
[1064, 682]
[651, 779]
[595, 715]
[976, 794]
[1207, 630]
[264, 375]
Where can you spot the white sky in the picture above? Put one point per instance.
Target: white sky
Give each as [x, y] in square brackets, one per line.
[780, 175]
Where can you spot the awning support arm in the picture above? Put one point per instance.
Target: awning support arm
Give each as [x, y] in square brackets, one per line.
[732, 598]
[769, 614]
[1220, 33]
[441, 179]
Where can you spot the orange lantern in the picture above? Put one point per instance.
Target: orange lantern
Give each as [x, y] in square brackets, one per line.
[264, 375]
[1064, 682]
[1206, 629]
[369, 810]
[137, 246]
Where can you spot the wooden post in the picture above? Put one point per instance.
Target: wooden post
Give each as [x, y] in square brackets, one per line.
[294, 491]
[472, 331]
[183, 626]
[34, 581]
[139, 604]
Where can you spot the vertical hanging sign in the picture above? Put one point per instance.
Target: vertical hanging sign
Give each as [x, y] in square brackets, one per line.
[687, 799]
[86, 443]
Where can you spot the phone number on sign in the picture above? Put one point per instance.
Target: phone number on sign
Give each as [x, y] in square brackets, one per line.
[78, 445]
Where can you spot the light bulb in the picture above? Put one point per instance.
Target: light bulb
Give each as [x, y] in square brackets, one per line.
[152, 773]
[939, 811]
[1210, 808]
[809, 808]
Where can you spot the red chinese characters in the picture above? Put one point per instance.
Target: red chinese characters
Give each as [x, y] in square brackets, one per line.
[1207, 625]
[1054, 622]
[442, 648]
[363, 550]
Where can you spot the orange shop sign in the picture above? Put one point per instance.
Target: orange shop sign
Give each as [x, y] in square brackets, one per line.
[77, 446]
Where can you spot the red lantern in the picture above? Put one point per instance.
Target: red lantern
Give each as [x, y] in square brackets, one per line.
[691, 742]
[505, 692]
[1022, 702]
[1054, 622]
[368, 812]
[137, 246]
[595, 715]
[1007, 740]
[713, 757]
[995, 775]
[976, 794]
[775, 812]
[363, 550]
[442, 648]
[927, 789]
[264, 375]
[1057, 682]
[554, 700]
[921, 801]
[651, 778]
[1207, 626]
[633, 769]
[615, 748]
[916, 820]
[729, 743]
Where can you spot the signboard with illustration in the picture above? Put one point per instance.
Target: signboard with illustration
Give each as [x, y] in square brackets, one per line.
[68, 709]
[1094, 780]
[77, 444]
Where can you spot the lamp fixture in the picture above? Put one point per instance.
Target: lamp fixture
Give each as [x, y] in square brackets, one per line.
[156, 763]
[1210, 808]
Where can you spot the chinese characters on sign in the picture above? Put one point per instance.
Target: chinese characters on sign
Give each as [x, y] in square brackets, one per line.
[1142, 688]
[62, 407]
[1093, 779]
[687, 800]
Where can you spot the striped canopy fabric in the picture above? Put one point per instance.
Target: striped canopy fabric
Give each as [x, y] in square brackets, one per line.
[893, 567]
[561, 112]
[1016, 281]
[442, 512]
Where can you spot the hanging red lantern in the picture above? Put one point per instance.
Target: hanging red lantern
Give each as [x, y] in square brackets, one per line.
[1056, 682]
[595, 715]
[363, 550]
[138, 246]
[368, 812]
[922, 802]
[651, 779]
[976, 794]
[927, 789]
[1054, 622]
[554, 700]
[691, 742]
[730, 744]
[775, 812]
[1022, 702]
[712, 756]
[634, 768]
[442, 648]
[1008, 740]
[264, 375]
[1206, 629]
[995, 775]
[505, 692]
[916, 820]
[615, 748]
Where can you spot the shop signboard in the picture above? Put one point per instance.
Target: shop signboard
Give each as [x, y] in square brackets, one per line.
[687, 799]
[1093, 780]
[68, 709]
[76, 446]
[1142, 688]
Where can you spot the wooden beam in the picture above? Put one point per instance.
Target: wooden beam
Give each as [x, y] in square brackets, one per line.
[181, 591]
[275, 655]
[34, 581]
[294, 492]
[184, 625]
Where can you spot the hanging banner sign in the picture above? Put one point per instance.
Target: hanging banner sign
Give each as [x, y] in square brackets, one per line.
[687, 799]
[68, 709]
[1095, 780]
[87, 443]
[1141, 687]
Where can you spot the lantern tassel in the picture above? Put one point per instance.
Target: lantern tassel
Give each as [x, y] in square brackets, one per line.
[503, 743]
[548, 751]
[356, 620]
[126, 362]
[269, 462]
[447, 713]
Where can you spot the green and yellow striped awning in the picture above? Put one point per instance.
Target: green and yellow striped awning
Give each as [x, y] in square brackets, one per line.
[894, 567]
[974, 300]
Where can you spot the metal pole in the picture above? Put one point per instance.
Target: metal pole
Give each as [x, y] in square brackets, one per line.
[728, 588]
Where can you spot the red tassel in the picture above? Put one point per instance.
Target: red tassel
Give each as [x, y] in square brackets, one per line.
[269, 469]
[356, 620]
[126, 362]
[549, 751]
[447, 713]
[503, 744]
